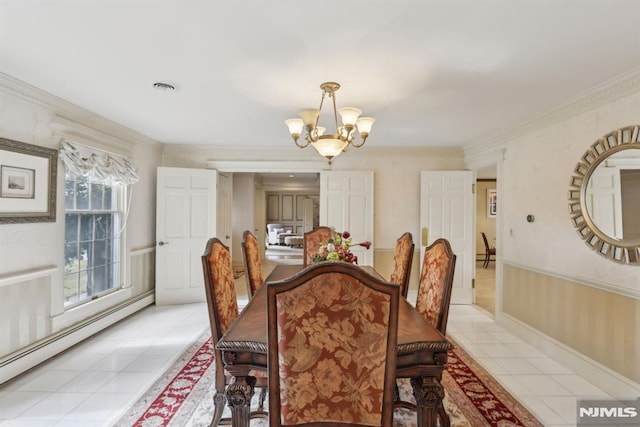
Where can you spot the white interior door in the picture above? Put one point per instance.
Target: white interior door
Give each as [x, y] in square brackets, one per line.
[447, 206]
[604, 200]
[346, 203]
[185, 220]
[224, 228]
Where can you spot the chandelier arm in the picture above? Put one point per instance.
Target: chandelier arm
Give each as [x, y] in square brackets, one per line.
[301, 145]
[352, 142]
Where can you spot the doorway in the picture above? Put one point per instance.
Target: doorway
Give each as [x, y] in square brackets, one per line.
[486, 218]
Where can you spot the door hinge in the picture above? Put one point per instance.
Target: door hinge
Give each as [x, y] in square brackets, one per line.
[473, 283]
[473, 189]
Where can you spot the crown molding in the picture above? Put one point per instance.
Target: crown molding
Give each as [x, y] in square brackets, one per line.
[69, 115]
[622, 86]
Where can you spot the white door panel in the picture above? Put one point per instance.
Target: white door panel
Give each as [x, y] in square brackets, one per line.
[604, 200]
[185, 220]
[346, 203]
[224, 228]
[447, 206]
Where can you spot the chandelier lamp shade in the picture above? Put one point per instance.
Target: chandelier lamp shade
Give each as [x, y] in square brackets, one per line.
[330, 145]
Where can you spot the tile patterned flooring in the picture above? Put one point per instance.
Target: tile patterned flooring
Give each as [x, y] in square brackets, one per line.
[95, 382]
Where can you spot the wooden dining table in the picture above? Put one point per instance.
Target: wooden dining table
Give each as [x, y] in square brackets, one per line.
[422, 354]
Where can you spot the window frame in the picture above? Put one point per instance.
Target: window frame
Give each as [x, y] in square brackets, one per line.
[117, 236]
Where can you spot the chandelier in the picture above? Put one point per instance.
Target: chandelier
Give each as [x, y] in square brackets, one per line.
[331, 145]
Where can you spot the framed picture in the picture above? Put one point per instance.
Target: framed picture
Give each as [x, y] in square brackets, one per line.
[492, 202]
[28, 175]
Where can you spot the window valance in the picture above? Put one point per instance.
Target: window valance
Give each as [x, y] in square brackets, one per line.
[97, 165]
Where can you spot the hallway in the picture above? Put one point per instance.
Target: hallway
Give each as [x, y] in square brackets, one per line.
[486, 287]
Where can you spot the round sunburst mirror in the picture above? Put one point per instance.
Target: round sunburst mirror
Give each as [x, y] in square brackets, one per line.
[604, 196]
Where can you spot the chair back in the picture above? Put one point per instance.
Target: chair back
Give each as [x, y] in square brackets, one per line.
[436, 282]
[487, 248]
[332, 347]
[252, 263]
[312, 241]
[402, 260]
[488, 251]
[221, 295]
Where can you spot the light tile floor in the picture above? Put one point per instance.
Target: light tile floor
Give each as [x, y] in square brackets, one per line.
[95, 382]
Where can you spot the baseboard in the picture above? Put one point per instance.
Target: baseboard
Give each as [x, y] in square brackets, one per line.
[29, 357]
[611, 382]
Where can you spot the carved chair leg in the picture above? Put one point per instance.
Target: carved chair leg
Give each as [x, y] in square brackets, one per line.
[218, 400]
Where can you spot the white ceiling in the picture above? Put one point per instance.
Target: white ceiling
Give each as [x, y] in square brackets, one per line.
[433, 72]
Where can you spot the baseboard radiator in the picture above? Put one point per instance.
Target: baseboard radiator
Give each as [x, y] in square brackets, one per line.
[32, 355]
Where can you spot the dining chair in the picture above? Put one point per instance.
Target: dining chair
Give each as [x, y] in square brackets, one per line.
[488, 251]
[434, 295]
[222, 305]
[312, 240]
[332, 337]
[402, 260]
[436, 282]
[252, 263]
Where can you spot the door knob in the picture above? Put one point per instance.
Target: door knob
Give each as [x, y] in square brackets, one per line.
[162, 243]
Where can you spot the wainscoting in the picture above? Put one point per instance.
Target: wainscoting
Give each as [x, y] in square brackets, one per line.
[29, 322]
[577, 318]
[31, 333]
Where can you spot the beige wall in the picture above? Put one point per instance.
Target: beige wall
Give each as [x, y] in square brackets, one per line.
[603, 326]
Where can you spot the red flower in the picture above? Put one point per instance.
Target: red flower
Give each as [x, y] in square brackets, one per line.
[366, 244]
[346, 234]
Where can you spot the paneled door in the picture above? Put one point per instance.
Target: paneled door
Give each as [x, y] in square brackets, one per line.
[346, 203]
[447, 207]
[224, 229]
[604, 200]
[185, 220]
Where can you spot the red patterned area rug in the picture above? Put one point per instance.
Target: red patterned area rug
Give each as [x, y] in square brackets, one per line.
[183, 395]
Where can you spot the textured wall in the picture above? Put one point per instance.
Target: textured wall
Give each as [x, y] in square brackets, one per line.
[603, 326]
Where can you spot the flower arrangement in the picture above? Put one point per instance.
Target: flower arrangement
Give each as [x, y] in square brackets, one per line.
[337, 249]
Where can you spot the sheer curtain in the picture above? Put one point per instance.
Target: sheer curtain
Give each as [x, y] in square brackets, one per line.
[97, 165]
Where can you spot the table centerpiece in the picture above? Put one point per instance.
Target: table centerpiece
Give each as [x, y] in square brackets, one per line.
[337, 247]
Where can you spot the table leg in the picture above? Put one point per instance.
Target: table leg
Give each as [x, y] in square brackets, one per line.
[429, 393]
[239, 394]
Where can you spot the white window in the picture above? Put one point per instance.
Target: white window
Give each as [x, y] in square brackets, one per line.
[95, 213]
[93, 219]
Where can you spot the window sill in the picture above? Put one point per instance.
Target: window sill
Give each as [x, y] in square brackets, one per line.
[91, 308]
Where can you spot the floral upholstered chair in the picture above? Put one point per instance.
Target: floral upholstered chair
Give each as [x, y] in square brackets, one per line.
[402, 260]
[223, 311]
[436, 281]
[312, 241]
[434, 290]
[332, 347]
[252, 264]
